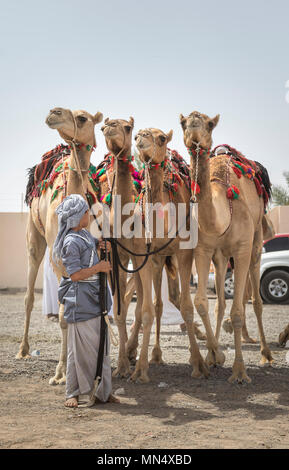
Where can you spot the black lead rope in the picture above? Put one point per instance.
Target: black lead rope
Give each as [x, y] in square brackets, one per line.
[103, 325]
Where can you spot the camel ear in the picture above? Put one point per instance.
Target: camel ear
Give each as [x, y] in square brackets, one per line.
[169, 135]
[183, 121]
[98, 117]
[131, 121]
[106, 120]
[213, 122]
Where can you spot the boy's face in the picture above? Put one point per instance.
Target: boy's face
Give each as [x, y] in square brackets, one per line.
[84, 220]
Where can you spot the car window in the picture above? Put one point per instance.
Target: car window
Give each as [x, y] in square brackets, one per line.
[277, 244]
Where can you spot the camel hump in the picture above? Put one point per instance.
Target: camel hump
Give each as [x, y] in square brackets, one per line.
[171, 267]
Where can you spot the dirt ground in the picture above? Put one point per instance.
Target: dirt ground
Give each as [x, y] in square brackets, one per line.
[185, 413]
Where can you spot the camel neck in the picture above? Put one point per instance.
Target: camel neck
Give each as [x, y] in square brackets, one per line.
[207, 214]
[157, 184]
[79, 160]
[123, 184]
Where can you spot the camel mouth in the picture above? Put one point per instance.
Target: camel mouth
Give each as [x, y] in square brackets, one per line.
[53, 123]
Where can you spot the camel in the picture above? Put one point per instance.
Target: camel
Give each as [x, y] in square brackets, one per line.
[228, 228]
[118, 140]
[152, 147]
[76, 128]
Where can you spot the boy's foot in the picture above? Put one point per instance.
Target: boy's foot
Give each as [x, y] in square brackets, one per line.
[71, 402]
[113, 399]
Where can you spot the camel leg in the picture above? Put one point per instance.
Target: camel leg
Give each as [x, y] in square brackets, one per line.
[283, 337]
[220, 263]
[60, 373]
[185, 259]
[174, 297]
[247, 295]
[123, 366]
[141, 370]
[158, 264]
[256, 297]
[241, 261]
[132, 343]
[130, 289]
[36, 246]
[203, 260]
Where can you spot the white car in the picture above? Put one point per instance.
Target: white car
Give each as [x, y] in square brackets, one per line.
[274, 271]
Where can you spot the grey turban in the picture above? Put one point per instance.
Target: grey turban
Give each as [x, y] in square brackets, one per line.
[70, 212]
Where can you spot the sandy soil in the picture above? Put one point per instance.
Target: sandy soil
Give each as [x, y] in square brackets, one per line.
[186, 413]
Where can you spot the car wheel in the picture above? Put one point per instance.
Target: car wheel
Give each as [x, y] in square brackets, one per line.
[275, 287]
[229, 286]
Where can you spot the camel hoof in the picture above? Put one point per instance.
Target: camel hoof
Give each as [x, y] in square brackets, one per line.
[239, 380]
[139, 377]
[283, 338]
[156, 356]
[56, 381]
[119, 372]
[23, 352]
[266, 356]
[227, 326]
[249, 340]
[215, 357]
[239, 374]
[132, 356]
[21, 355]
[199, 368]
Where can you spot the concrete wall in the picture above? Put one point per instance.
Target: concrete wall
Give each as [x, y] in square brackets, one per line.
[13, 258]
[280, 218]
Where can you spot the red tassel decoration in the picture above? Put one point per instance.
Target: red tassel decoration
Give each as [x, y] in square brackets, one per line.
[258, 187]
[233, 192]
[193, 185]
[237, 171]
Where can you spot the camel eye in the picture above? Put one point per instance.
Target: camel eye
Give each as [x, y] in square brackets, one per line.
[82, 118]
[211, 124]
[127, 128]
[162, 138]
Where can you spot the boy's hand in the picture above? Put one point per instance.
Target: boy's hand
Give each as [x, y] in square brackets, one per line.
[101, 244]
[103, 267]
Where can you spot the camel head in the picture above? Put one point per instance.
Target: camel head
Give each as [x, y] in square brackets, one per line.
[152, 144]
[197, 128]
[74, 124]
[118, 135]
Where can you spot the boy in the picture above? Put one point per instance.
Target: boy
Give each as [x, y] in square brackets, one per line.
[79, 293]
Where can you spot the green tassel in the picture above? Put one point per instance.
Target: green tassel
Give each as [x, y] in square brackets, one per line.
[108, 198]
[101, 172]
[240, 168]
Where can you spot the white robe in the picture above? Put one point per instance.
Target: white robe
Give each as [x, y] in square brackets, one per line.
[171, 315]
[50, 288]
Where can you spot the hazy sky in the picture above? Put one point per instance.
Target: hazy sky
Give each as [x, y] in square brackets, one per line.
[152, 60]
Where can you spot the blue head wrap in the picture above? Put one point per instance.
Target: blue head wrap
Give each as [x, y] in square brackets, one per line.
[70, 212]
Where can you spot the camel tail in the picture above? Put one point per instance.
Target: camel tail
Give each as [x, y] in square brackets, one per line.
[171, 267]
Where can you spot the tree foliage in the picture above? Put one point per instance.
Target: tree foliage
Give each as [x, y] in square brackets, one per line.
[280, 195]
